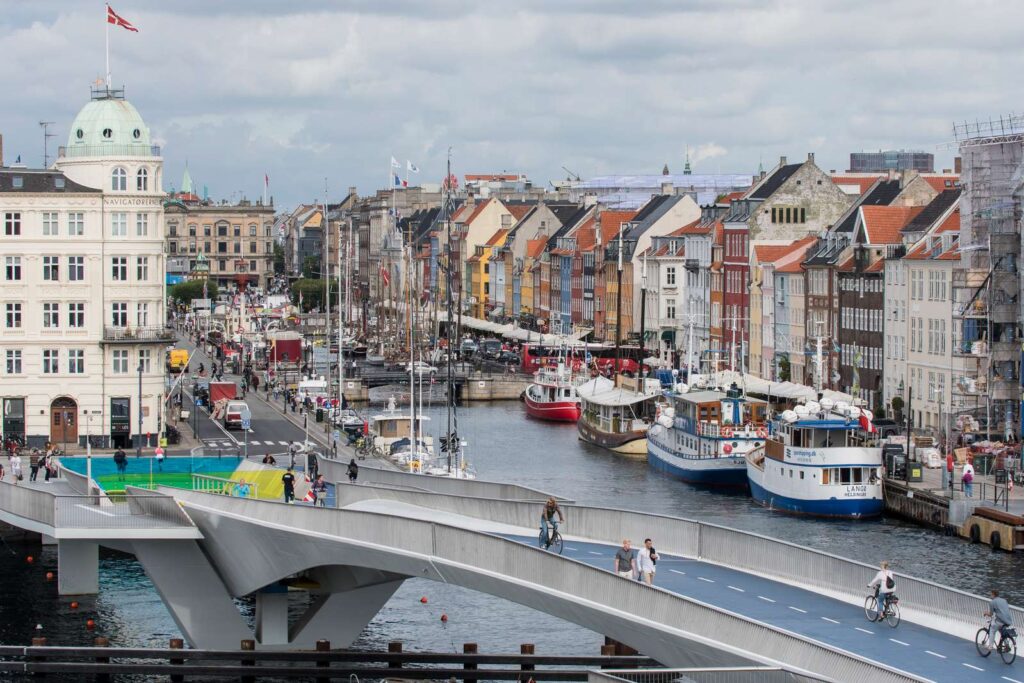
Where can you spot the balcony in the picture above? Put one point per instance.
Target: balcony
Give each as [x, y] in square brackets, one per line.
[138, 335]
[129, 150]
[692, 264]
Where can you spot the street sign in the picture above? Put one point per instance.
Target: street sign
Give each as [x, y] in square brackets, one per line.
[246, 423]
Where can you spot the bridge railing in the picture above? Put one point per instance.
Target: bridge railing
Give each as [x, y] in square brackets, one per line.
[805, 567]
[536, 578]
[732, 674]
[156, 505]
[210, 484]
[28, 503]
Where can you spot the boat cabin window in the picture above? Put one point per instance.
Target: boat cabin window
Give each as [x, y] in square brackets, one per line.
[709, 412]
[846, 476]
[819, 438]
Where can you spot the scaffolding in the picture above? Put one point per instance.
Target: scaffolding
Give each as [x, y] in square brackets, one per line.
[987, 288]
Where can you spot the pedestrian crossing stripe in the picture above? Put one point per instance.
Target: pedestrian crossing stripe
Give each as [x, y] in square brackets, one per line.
[254, 442]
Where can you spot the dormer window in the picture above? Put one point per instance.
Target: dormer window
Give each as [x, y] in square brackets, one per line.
[142, 179]
[79, 133]
[118, 179]
[108, 133]
[136, 133]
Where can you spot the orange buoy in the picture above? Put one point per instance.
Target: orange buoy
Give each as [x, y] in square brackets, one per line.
[424, 599]
[30, 559]
[49, 576]
[74, 605]
[90, 624]
[444, 618]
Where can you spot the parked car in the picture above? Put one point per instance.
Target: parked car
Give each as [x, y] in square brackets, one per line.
[507, 357]
[235, 414]
[490, 348]
[421, 368]
[468, 347]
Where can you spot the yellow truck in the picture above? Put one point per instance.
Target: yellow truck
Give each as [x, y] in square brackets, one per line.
[177, 360]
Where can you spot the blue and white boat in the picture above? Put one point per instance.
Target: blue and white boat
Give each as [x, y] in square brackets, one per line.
[704, 436]
[819, 461]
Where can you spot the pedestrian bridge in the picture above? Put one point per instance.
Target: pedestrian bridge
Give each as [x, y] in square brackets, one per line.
[722, 597]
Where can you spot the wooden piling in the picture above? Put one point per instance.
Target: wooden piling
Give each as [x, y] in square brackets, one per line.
[469, 649]
[323, 646]
[395, 647]
[526, 649]
[100, 641]
[176, 644]
[248, 645]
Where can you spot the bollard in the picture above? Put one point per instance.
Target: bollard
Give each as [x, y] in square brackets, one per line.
[526, 649]
[100, 641]
[323, 646]
[176, 644]
[39, 641]
[469, 649]
[248, 646]
[395, 647]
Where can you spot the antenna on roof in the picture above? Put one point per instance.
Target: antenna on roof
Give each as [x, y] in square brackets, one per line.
[45, 125]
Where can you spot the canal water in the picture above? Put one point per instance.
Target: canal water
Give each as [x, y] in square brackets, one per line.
[504, 445]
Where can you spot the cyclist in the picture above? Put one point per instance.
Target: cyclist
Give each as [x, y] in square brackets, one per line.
[883, 583]
[999, 611]
[547, 516]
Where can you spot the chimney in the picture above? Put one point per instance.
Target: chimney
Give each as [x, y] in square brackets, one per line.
[351, 189]
[782, 161]
[908, 177]
[890, 174]
[666, 187]
[810, 157]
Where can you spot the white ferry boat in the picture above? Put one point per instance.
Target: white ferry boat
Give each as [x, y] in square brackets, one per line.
[819, 460]
[703, 437]
[616, 415]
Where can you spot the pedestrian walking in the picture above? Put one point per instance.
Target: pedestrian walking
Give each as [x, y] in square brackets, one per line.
[319, 489]
[242, 489]
[159, 454]
[292, 450]
[312, 466]
[47, 465]
[15, 463]
[646, 561]
[288, 479]
[968, 479]
[121, 462]
[33, 464]
[625, 560]
[353, 470]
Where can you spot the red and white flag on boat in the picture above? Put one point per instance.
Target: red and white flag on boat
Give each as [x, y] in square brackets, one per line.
[865, 424]
[115, 19]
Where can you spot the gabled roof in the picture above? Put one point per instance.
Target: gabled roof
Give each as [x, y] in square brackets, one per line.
[689, 229]
[768, 253]
[476, 211]
[728, 198]
[863, 182]
[882, 224]
[769, 185]
[933, 211]
[586, 235]
[941, 183]
[519, 209]
[535, 247]
[563, 210]
[791, 253]
[611, 221]
[881, 194]
[497, 237]
[35, 181]
[652, 213]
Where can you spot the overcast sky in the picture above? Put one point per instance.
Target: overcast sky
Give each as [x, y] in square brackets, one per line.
[308, 90]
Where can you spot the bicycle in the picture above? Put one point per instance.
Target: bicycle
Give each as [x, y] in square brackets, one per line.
[552, 541]
[890, 612]
[1007, 644]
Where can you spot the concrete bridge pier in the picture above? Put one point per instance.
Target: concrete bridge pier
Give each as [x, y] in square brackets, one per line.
[78, 567]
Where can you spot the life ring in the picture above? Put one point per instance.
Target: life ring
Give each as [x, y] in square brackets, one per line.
[762, 432]
[726, 432]
[995, 540]
[975, 533]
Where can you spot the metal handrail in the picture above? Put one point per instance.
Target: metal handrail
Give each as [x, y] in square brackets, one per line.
[210, 484]
[156, 334]
[560, 586]
[731, 674]
[32, 504]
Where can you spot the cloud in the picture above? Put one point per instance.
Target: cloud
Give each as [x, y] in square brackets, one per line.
[319, 88]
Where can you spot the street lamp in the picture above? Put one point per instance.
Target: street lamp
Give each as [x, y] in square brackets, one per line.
[138, 448]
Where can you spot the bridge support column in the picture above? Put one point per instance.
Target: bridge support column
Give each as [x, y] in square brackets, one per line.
[78, 567]
[341, 616]
[193, 592]
[272, 615]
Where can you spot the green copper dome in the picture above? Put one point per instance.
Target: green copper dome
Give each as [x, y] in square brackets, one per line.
[109, 126]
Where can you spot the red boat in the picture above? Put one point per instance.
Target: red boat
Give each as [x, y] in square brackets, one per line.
[552, 396]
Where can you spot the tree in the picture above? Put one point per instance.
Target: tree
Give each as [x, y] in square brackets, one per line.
[897, 408]
[185, 292]
[312, 292]
[784, 369]
[278, 259]
[311, 267]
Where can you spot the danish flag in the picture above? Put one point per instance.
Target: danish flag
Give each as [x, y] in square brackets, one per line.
[115, 19]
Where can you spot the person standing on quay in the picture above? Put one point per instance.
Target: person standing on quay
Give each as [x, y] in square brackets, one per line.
[968, 479]
[33, 464]
[288, 479]
[353, 471]
[625, 560]
[121, 461]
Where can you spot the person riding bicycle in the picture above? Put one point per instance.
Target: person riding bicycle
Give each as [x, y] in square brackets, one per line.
[999, 611]
[547, 516]
[884, 583]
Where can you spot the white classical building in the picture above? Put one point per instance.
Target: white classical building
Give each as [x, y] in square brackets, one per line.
[83, 336]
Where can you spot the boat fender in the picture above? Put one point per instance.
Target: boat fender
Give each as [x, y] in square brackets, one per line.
[995, 540]
[975, 533]
[762, 432]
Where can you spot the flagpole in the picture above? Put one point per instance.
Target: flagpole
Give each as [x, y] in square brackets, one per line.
[107, 24]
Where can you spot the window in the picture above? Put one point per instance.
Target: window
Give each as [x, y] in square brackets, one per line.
[76, 268]
[252, 247]
[76, 224]
[119, 268]
[13, 361]
[670, 309]
[172, 229]
[222, 265]
[51, 314]
[51, 268]
[76, 361]
[252, 265]
[237, 230]
[120, 362]
[222, 247]
[118, 180]
[142, 314]
[222, 230]
[145, 359]
[76, 315]
[13, 319]
[670, 276]
[142, 225]
[119, 224]
[173, 247]
[142, 268]
[142, 180]
[50, 363]
[12, 223]
[12, 268]
[252, 230]
[119, 314]
[50, 226]
[238, 247]
[191, 229]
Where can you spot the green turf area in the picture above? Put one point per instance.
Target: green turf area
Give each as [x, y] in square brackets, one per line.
[111, 482]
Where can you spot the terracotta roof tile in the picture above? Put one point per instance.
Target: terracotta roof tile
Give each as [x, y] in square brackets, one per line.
[951, 255]
[586, 236]
[952, 222]
[942, 182]
[862, 182]
[882, 224]
[535, 248]
[611, 221]
[769, 253]
[497, 237]
[728, 198]
[686, 229]
[477, 210]
[519, 210]
[876, 267]
[793, 267]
